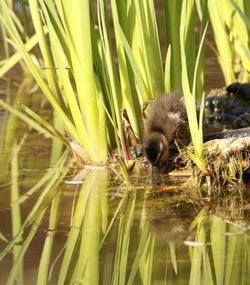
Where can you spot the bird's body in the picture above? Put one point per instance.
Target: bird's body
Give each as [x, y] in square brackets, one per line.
[166, 121]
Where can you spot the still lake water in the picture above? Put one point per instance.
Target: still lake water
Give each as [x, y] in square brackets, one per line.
[100, 231]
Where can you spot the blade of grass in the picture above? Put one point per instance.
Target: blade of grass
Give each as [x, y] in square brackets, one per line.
[15, 58]
[195, 129]
[28, 120]
[5, 17]
[222, 40]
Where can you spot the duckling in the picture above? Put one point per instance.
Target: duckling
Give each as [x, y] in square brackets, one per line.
[166, 121]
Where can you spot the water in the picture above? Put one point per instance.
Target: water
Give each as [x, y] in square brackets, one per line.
[136, 235]
[125, 235]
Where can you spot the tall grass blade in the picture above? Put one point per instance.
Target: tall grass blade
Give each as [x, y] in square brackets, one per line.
[35, 125]
[144, 92]
[216, 11]
[190, 99]
[173, 16]
[7, 20]
[15, 58]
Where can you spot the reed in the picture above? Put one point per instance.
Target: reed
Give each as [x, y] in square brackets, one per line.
[79, 75]
[231, 34]
[191, 96]
[84, 101]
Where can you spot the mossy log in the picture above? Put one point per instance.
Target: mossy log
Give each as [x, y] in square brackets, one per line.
[228, 161]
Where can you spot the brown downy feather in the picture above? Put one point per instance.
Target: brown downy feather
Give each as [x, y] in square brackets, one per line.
[166, 121]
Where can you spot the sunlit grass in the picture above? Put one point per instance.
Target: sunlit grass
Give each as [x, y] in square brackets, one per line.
[192, 95]
[84, 88]
[231, 36]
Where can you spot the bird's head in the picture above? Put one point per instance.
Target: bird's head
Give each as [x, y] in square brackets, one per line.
[156, 148]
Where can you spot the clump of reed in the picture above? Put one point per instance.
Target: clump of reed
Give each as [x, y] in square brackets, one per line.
[230, 23]
[86, 86]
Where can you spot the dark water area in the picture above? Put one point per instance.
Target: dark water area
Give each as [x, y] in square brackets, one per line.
[95, 229]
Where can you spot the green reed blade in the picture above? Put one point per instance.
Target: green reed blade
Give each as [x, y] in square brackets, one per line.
[241, 13]
[199, 77]
[222, 40]
[190, 102]
[241, 32]
[173, 16]
[10, 62]
[33, 124]
[109, 73]
[149, 58]
[128, 90]
[7, 20]
[90, 100]
[144, 92]
[62, 57]
[48, 62]
[2, 237]
[168, 70]
[47, 126]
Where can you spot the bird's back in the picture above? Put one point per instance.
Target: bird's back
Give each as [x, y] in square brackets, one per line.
[168, 117]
